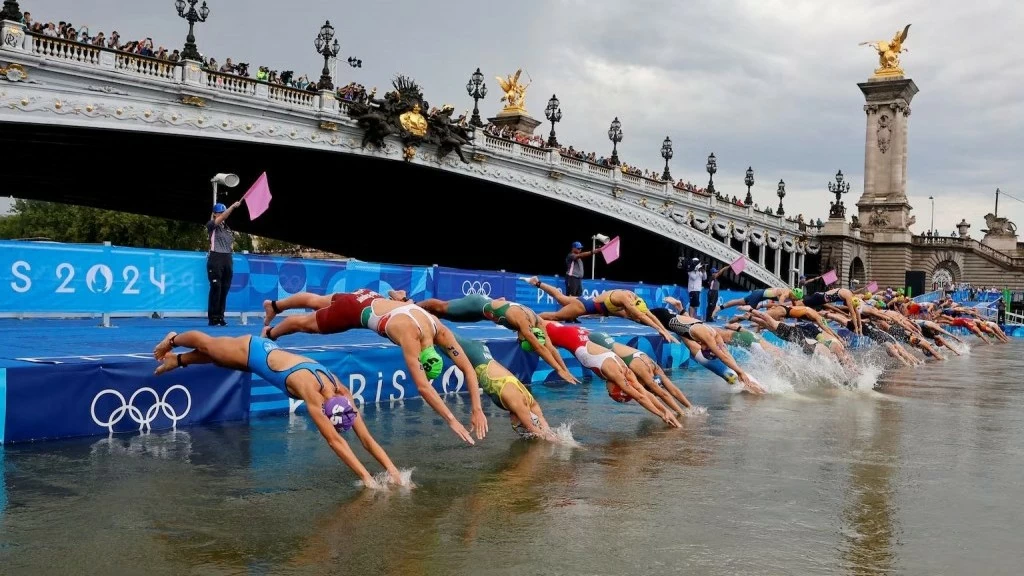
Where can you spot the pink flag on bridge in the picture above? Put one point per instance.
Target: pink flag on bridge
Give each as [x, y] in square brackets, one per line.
[610, 251]
[257, 199]
[829, 277]
[873, 287]
[739, 265]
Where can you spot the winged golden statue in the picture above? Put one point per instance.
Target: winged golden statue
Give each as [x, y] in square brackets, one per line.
[889, 53]
[515, 93]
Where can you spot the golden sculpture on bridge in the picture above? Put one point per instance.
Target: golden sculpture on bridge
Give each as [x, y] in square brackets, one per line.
[515, 93]
[889, 54]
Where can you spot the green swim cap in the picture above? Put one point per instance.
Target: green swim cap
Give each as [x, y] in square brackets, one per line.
[431, 362]
[798, 293]
[541, 338]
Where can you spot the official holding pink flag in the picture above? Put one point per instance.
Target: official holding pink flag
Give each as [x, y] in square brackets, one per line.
[219, 269]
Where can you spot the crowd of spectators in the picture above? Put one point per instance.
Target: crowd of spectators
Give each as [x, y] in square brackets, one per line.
[145, 47]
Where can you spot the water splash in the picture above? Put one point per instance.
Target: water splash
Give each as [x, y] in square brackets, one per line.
[382, 481]
[695, 411]
[795, 371]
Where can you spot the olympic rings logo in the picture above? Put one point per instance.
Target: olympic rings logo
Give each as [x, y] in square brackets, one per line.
[143, 419]
[476, 288]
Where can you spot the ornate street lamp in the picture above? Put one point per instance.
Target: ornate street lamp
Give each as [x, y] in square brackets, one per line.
[11, 11]
[325, 48]
[191, 52]
[554, 114]
[838, 188]
[666, 153]
[615, 135]
[711, 167]
[477, 90]
[781, 193]
[749, 181]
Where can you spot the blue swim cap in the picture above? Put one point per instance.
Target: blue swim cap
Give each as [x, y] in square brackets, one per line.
[219, 208]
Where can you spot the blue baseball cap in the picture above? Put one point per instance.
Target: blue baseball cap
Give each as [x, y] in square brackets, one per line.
[577, 245]
[218, 208]
[714, 269]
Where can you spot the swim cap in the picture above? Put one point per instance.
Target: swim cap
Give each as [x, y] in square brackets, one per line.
[618, 395]
[798, 293]
[219, 208]
[641, 305]
[522, 430]
[340, 412]
[857, 302]
[901, 292]
[542, 339]
[431, 362]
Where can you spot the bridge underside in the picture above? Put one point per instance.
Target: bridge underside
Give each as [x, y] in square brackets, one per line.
[386, 211]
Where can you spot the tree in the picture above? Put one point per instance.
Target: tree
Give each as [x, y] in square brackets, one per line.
[79, 224]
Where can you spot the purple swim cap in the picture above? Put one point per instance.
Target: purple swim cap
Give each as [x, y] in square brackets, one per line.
[340, 412]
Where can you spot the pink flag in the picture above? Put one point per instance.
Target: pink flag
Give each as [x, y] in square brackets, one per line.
[739, 265]
[829, 277]
[873, 287]
[257, 199]
[610, 251]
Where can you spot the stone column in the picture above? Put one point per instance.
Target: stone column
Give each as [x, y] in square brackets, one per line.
[760, 254]
[13, 37]
[778, 260]
[883, 207]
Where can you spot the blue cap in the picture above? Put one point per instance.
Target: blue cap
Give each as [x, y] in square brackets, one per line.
[577, 245]
[714, 269]
[218, 208]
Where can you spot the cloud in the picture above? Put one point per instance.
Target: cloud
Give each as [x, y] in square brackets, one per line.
[764, 83]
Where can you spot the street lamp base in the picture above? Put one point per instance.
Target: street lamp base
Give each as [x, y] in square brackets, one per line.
[191, 52]
[476, 120]
[666, 175]
[552, 142]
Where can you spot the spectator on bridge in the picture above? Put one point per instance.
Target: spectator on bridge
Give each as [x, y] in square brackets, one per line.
[218, 262]
[574, 270]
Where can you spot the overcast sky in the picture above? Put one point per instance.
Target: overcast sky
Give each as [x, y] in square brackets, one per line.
[766, 83]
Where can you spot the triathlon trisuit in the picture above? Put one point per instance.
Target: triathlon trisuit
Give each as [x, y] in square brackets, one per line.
[258, 363]
[789, 333]
[592, 306]
[963, 323]
[754, 298]
[927, 330]
[468, 308]
[498, 315]
[707, 359]
[345, 311]
[479, 355]
[379, 323]
[672, 322]
[898, 332]
[575, 340]
[819, 299]
[872, 332]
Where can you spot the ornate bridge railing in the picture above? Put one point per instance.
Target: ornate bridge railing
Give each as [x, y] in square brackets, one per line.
[970, 244]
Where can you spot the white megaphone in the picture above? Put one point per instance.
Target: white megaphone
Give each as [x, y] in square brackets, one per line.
[601, 238]
[229, 180]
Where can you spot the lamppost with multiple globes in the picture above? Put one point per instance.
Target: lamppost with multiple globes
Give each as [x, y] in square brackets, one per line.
[191, 52]
[328, 50]
[712, 167]
[749, 181]
[553, 113]
[615, 135]
[781, 193]
[666, 153]
[838, 188]
[477, 90]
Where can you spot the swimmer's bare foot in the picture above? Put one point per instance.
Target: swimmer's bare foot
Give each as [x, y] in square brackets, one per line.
[268, 311]
[265, 333]
[532, 280]
[169, 362]
[399, 295]
[164, 346]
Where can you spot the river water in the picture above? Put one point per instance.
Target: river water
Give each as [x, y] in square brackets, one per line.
[921, 475]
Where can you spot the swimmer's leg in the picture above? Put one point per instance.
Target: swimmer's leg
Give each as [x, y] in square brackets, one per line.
[228, 352]
[552, 291]
[305, 323]
[272, 308]
[436, 307]
[569, 311]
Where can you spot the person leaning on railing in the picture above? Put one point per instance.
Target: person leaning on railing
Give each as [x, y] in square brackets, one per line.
[218, 262]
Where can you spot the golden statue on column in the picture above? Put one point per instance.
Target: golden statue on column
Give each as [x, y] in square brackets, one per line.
[889, 54]
[515, 94]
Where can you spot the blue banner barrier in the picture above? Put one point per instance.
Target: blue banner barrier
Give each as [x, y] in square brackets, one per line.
[118, 398]
[44, 277]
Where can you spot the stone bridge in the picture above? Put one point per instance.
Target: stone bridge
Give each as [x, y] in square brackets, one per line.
[48, 82]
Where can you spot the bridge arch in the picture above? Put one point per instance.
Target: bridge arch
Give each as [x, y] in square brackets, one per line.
[945, 266]
[857, 271]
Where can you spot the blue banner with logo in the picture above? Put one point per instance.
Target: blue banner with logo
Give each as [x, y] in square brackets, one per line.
[47, 277]
[119, 398]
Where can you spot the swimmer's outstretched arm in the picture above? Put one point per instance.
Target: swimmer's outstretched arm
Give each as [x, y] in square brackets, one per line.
[334, 440]
[671, 387]
[637, 316]
[411, 353]
[722, 351]
[627, 382]
[445, 338]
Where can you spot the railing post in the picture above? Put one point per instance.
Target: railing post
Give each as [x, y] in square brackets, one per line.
[262, 91]
[328, 103]
[192, 74]
[616, 174]
[13, 37]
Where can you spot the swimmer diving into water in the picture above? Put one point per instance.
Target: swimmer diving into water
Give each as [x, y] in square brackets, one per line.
[646, 371]
[621, 303]
[411, 328]
[329, 403]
